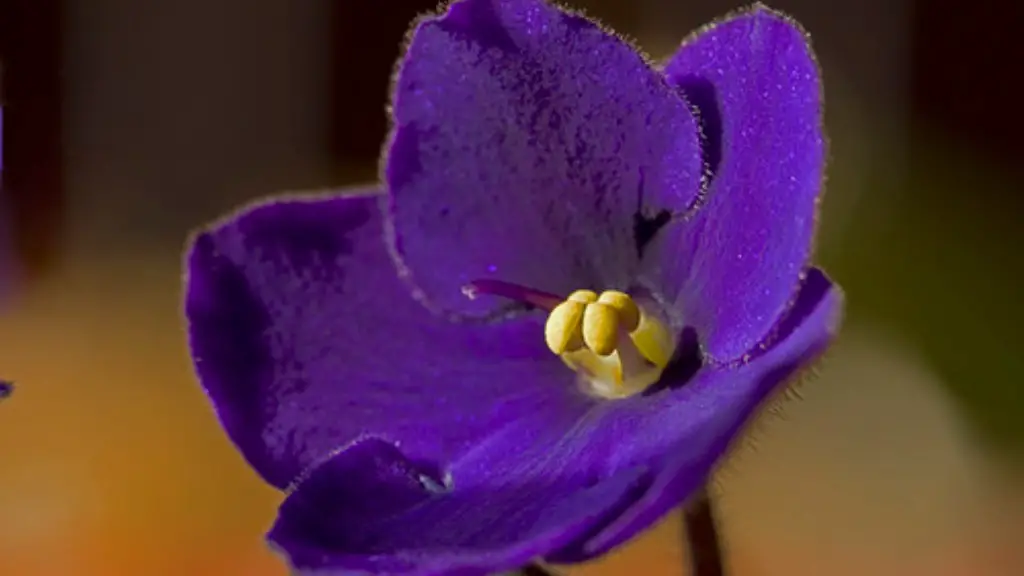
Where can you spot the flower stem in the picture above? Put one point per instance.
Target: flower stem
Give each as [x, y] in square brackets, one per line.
[534, 570]
[702, 537]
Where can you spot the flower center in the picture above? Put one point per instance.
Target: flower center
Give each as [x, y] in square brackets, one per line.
[618, 347]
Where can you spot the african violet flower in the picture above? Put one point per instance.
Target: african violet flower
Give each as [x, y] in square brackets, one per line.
[489, 361]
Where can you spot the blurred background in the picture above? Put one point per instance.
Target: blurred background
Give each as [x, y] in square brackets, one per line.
[128, 123]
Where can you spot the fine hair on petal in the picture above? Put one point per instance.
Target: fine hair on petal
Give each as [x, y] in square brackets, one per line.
[770, 413]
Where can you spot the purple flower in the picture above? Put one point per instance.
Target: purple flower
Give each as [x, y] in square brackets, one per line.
[535, 157]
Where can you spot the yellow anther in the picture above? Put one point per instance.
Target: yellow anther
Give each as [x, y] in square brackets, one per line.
[600, 328]
[629, 313]
[617, 348]
[583, 296]
[562, 332]
[653, 341]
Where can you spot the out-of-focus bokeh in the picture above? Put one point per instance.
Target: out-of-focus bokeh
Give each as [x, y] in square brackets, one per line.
[126, 124]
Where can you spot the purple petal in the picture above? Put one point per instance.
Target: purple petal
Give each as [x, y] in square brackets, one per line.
[370, 510]
[305, 340]
[735, 266]
[695, 426]
[526, 140]
[526, 495]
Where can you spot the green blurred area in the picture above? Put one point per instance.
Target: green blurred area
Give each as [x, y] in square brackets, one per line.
[934, 254]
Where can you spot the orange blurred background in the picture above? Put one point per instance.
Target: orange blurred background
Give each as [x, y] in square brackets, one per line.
[112, 462]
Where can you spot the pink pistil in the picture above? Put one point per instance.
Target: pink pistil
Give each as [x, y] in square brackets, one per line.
[515, 292]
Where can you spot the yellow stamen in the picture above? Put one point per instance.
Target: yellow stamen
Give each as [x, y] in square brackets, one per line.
[617, 347]
[654, 341]
[600, 328]
[629, 312]
[562, 332]
[583, 296]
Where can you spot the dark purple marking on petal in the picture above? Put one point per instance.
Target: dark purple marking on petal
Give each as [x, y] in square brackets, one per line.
[526, 141]
[6, 389]
[647, 226]
[735, 264]
[305, 340]
[701, 93]
[370, 510]
[685, 434]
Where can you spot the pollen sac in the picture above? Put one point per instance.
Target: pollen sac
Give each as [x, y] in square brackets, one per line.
[600, 328]
[629, 312]
[563, 330]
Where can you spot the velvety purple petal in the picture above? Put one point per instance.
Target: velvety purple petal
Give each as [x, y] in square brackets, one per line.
[735, 265]
[686, 432]
[623, 465]
[305, 340]
[525, 141]
[371, 510]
